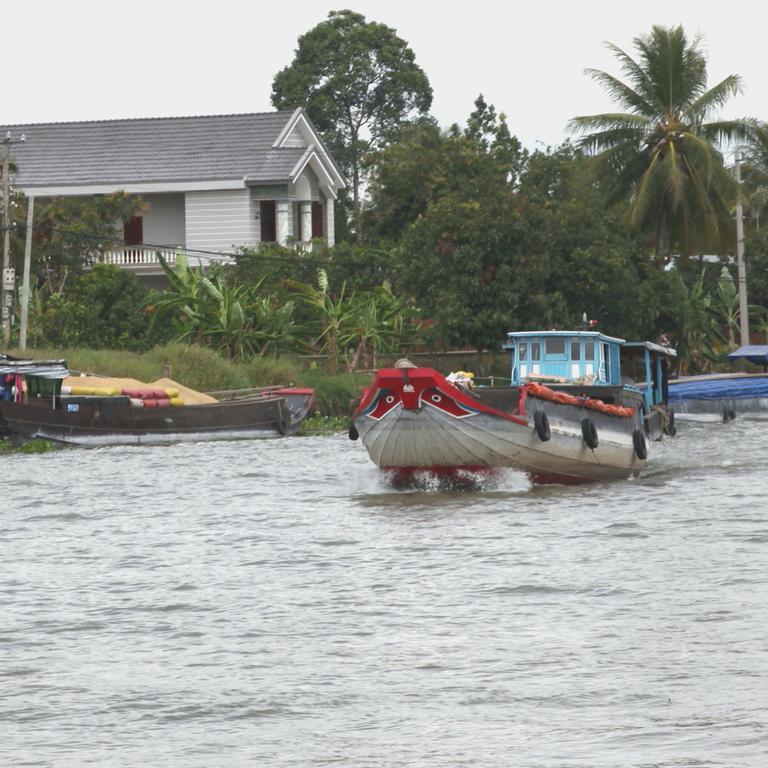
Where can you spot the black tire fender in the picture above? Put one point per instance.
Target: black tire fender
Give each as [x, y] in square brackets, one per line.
[541, 425]
[353, 433]
[589, 433]
[640, 446]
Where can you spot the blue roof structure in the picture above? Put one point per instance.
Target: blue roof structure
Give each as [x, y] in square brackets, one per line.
[755, 353]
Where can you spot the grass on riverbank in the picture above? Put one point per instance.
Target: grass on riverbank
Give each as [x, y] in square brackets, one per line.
[206, 371]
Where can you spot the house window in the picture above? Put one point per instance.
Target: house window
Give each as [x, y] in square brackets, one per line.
[317, 220]
[133, 231]
[268, 217]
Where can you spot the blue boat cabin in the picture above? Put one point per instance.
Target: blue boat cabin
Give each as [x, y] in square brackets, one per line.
[564, 357]
[590, 358]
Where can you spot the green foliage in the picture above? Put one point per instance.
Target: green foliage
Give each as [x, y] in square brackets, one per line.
[318, 424]
[336, 394]
[233, 317]
[661, 153]
[72, 232]
[102, 308]
[425, 165]
[270, 371]
[358, 82]
[35, 445]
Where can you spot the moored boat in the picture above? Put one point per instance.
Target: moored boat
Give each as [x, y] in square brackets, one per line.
[565, 417]
[723, 396]
[34, 405]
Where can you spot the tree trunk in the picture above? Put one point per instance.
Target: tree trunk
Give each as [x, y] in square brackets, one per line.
[663, 238]
[356, 212]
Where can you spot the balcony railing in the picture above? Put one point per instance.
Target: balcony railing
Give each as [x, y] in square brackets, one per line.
[139, 255]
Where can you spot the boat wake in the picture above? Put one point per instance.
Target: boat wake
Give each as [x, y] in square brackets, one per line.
[445, 479]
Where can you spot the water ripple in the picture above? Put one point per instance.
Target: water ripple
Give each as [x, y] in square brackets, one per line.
[276, 603]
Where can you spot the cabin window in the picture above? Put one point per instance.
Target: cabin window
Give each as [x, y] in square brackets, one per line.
[589, 350]
[604, 361]
[535, 350]
[523, 350]
[575, 349]
[555, 346]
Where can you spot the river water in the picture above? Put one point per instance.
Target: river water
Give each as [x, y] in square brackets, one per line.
[273, 603]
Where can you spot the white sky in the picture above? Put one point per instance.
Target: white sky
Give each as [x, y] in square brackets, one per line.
[100, 59]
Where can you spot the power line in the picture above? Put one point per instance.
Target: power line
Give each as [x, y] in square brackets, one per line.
[218, 256]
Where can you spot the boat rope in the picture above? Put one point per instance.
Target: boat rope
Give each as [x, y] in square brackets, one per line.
[581, 401]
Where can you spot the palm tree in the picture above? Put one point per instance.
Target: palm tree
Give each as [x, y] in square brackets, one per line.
[663, 151]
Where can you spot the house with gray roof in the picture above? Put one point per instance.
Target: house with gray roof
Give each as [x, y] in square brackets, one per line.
[212, 183]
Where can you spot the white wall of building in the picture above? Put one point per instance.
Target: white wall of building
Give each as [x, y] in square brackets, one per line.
[221, 220]
[164, 220]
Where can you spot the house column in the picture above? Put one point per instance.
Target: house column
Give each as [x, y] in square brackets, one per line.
[306, 220]
[330, 222]
[283, 218]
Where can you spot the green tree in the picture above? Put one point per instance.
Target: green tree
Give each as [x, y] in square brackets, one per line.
[102, 309]
[464, 261]
[661, 153]
[427, 164]
[358, 82]
[71, 233]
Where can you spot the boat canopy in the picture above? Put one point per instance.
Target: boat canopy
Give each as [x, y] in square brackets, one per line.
[36, 378]
[584, 357]
[755, 353]
[660, 349]
[44, 369]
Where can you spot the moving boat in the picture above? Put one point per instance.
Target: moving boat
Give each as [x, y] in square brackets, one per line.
[565, 417]
[34, 404]
[723, 396]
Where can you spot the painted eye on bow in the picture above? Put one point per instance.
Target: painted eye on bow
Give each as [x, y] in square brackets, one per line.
[442, 402]
[384, 403]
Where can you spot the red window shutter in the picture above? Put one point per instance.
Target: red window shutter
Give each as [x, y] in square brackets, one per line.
[133, 231]
[268, 216]
[317, 220]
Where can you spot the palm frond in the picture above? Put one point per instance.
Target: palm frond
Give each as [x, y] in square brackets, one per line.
[620, 93]
[714, 98]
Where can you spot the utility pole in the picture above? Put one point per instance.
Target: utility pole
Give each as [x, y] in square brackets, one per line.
[24, 321]
[740, 266]
[9, 275]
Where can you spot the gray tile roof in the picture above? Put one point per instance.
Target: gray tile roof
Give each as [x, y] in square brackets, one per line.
[168, 149]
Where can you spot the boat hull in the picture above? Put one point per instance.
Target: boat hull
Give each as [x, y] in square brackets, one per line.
[415, 432]
[716, 397]
[113, 421]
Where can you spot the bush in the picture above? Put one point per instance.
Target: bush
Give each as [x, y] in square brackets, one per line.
[269, 371]
[336, 395]
[198, 367]
[101, 309]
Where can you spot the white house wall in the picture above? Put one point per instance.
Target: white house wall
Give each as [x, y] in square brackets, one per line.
[164, 220]
[220, 221]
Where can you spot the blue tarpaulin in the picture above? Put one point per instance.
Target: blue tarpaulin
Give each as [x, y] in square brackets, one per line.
[734, 387]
